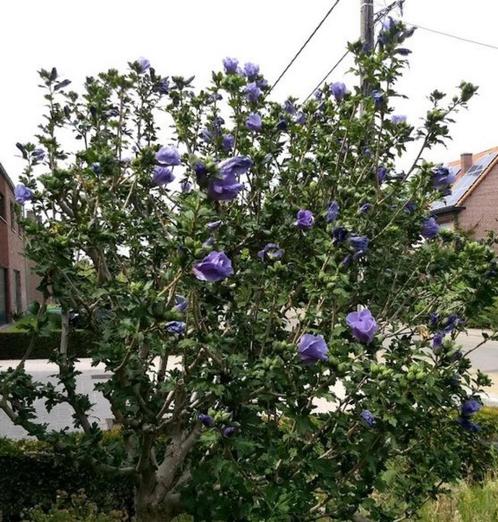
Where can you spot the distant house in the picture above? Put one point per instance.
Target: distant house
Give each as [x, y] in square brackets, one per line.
[17, 282]
[473, 203]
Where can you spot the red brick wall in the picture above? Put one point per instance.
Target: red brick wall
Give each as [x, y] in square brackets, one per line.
[481, 207]
[12, 249]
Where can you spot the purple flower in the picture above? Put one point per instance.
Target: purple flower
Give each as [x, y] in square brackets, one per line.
[229, 431]
[208, 243]
[201, 171]
[470, 407]
[251, 70]
[381, 174]
[163, 86]
[22, 193]
[38, 154]
[254, 122]
[410, 207]
[176, 327]
[347, 261]
[451, 323]
[206, 135]
[207, 420]
[338, 90]
[430, 228]
[368, 418]
[305, 219]
[363, 326]
[398, 119]
[185, 186]
[262, 83]
[437, 341]
[339, 234]
[332, 212]
[231, 65]
[282, 125]
[378, 98]
[271, 251]
[162, 175]
[312, 348]
[224, 187]
[143, 64]
[216, 266]
[365, 208]
[318, 94]
[252, 92]
[96, 167]
[300, 118]
[228, 142]
[181, 303]
[359, 244]
[433, 319]
[214, 225]
[442, 178]
[468, 425]
[237, 165]
[402, 51]
[168, 156]
[289, 107]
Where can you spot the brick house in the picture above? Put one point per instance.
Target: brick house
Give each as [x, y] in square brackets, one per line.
[17, 283]
[473, 204]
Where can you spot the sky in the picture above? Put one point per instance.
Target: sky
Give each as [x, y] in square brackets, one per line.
[184, 37]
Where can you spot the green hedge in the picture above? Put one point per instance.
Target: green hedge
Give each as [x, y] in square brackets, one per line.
[13, 344]
[34, 478]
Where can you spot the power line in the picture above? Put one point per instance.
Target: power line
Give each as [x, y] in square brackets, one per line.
[454, 36]
[289, 65]
[378, 17]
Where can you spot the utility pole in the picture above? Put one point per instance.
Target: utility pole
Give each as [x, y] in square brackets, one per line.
[367, 34]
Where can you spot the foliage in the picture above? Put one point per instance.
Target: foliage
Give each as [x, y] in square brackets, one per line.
[251, 265]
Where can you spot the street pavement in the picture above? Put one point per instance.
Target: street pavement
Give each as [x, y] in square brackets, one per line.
[484, 358]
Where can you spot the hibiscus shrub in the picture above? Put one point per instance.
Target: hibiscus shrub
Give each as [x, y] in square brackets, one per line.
[310, 299]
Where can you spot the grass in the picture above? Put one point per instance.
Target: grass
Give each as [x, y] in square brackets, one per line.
[468, 503]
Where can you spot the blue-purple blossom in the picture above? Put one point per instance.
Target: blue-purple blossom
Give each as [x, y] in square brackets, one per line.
[168, 156]
[289, 107]
[347, 261]
[224, 187]
[254, 122]
[300, 118]
[163, 86]
[451, 323]
[262, 83]
[206, 134]
[437, 341]
[176, 327]
[206, 420]
[359, 244]
[96, 167]
[363, 325]
[304, 219]
[318, 94]
[338, 90]
[442, 178]
[282, 125]
[403, 51]
[214, 225]
[468, 425]
[216, 266]
[208, 243]
[38, 154]
[22, 193]
[251, 70]
[433, 319]
[381, 174]
[271, 251]
[339, 234]
[162, 175]
[470, 407]
[143, 64]
[228, 142]
[231, 65]
[410, 207]
[430, 228]
[378, 98]
[365, 208]
[252, 92]
[368, 418]
[229, 431]
[312, 348]
[398, 119]
[181, 303]
[185, 186]
[237, 165]
[332, 212]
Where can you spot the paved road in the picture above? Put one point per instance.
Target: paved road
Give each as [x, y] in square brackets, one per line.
[484, 358]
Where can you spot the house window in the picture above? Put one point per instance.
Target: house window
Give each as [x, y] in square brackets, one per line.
[3, 295]
[2, 206]
[17, 286]
[12, 216]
